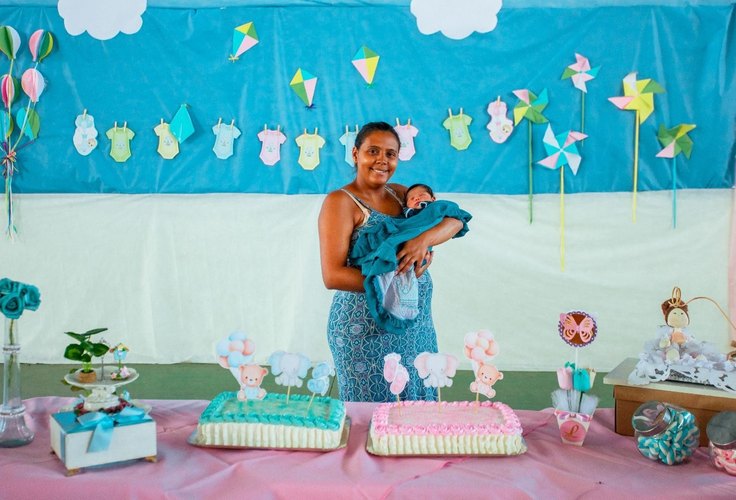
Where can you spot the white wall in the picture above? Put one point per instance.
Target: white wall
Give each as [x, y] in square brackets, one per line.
[170, 275]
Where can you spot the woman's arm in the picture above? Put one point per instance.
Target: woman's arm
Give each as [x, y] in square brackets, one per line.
[337, 219]
[414, 251]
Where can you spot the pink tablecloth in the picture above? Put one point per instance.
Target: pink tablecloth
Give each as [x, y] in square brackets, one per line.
[608, 465]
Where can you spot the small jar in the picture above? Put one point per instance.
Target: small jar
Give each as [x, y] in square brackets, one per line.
[665, 432]
[721, 432]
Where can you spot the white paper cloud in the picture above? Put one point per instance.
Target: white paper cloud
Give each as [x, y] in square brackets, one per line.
[102, 19]
[456, 19]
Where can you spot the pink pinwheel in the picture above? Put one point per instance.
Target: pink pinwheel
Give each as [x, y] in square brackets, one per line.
[562, 151]
[581, 72]
[395, 373]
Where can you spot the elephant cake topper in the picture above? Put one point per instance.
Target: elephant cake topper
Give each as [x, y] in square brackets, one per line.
[480, 348]
[289, 368]
[436, 369]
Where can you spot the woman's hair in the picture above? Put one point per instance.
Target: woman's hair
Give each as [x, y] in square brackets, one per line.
[423, 186]
[373, 127]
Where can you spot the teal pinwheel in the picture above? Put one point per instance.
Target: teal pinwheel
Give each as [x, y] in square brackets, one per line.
[530, 107]
[675, 141]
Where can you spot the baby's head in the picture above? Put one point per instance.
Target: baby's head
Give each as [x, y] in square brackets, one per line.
[416, 194]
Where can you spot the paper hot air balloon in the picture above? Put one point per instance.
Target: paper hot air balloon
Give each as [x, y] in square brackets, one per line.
[244, 38]
[40, 44]
[304, 85]
[33, 84]
[9, 88]
[366, 62]
[9, 41]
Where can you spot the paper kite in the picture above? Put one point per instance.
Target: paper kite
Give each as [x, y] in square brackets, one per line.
[366, 62]
[675, 141]
[530, 106]
[181, 125]
[562, 151]
[244, 38]
[304, 84]
[638, 96]
[581, 72]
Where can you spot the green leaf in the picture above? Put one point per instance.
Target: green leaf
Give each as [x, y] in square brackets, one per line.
[99, 349]
[76, 336]
[94, 331]
[74, 352]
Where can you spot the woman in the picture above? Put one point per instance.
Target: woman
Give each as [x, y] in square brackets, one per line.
[358, 346]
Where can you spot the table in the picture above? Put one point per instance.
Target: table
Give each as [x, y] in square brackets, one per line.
[608, 465]
[703, 401]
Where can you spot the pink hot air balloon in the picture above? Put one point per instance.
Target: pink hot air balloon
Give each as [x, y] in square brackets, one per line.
[480, 346]
[8, 86]
[33, 84]
[40, 44]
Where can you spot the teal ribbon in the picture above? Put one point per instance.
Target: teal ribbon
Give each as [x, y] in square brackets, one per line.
[103, 425]
[581, 380]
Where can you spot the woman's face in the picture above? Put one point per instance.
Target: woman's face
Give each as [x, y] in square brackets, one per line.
[377, 157]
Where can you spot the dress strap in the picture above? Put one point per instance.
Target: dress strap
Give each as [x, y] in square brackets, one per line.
[396, 197]
[362, 206]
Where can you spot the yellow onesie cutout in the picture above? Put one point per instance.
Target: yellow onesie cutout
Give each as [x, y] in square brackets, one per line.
[168, 146]
[309, 145]
[120, 147]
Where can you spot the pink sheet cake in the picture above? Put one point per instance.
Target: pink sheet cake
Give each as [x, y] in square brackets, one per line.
[445, 428]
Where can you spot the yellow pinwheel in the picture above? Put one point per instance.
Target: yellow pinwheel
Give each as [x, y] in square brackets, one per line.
[638, 96]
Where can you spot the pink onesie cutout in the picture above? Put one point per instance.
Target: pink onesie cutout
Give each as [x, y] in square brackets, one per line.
[271, 147]
[407, 133]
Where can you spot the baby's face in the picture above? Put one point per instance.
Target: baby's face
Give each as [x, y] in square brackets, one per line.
[416, 196]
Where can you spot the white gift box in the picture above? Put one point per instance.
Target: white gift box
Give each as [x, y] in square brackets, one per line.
[128, 440]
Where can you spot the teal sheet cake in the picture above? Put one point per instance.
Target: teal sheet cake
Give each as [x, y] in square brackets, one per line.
[302, 423]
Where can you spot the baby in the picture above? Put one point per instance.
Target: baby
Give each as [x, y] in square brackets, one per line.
[416, 198]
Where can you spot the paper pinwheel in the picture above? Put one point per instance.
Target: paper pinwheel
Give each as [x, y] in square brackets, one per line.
[244, 38]
[562, 151]
[366, 62]
[530, 106]
[675, 141]
[27, 122]
[638, 96]
[181, 125]
[581, 72]
[304, 84]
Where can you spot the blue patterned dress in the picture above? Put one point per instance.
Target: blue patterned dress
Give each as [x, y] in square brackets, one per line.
[358, 345]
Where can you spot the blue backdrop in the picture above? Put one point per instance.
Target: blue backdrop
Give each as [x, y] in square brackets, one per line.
[181, 56]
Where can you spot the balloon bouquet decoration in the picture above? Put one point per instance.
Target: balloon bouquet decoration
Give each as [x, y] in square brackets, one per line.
[574, 407]
[27, 122]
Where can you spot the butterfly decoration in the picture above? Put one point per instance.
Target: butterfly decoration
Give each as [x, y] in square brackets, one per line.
[577, 328]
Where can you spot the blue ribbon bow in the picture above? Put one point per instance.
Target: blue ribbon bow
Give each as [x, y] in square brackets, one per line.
[104, 424]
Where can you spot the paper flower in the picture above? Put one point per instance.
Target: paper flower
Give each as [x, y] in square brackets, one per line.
[675, 141]
[16, 297]
[395, 373]
[304, 84]
[530, 107]
[244, 38]
[639, 97]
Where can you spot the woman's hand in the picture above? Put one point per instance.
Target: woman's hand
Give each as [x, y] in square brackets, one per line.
[419, 270]
[412, 254]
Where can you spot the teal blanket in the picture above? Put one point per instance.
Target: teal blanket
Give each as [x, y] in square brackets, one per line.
[376, 247]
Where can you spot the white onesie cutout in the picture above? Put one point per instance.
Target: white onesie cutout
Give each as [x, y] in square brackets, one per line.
[407, 133]
[271, 145]
[85, 135]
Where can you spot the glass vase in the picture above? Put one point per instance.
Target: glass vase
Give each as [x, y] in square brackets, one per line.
[13, 429]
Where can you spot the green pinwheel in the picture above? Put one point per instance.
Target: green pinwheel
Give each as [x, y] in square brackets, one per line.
[675, 141]
[530, 107]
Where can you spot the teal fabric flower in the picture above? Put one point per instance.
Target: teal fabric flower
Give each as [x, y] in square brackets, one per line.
[16, 297]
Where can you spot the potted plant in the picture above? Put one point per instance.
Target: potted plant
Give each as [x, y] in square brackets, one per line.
[84, 351]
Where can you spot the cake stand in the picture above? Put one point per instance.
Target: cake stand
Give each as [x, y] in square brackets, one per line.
[103, 389]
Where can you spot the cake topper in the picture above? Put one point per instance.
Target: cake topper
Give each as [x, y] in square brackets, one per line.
[289, 368]
[480, 348]
[395, 374]
[235, 351]
[436, 369]
[320, 381]
[251, 378]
